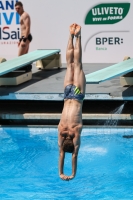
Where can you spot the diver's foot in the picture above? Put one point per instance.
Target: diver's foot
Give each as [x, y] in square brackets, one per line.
[72, 29]
[78, 31]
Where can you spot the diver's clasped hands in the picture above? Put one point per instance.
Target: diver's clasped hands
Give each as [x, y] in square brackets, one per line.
[66, 178]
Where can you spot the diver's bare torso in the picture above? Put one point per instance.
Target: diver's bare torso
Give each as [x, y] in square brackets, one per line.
[71, 119]
[22, 25]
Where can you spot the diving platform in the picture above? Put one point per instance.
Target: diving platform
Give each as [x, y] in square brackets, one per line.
[27, 59]
[110, 72]
[18, 70]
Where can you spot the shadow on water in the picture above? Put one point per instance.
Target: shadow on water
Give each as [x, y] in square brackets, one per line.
[128, 136]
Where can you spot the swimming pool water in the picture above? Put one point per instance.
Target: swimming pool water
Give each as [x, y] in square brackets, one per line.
[29, 165]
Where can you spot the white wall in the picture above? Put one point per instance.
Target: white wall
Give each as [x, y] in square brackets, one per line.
[50, 29]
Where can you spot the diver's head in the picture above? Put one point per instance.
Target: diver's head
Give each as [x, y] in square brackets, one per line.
[19, 7]
[68, 145]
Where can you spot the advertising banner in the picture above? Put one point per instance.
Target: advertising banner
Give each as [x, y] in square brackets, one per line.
[106, 27]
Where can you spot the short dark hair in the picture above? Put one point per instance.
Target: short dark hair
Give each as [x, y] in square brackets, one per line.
[18, 3]
[68, 145]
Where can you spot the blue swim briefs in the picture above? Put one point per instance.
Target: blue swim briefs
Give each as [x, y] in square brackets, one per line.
[73, 92]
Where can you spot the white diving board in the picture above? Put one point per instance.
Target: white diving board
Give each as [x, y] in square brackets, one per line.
[21, 61]
[110, 72]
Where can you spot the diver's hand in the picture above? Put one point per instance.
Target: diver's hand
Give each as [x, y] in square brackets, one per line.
[64, 177]
[70, 177]
[23, 44]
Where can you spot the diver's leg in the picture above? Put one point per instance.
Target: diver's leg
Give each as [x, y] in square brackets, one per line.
[79, 77]
[70, 58]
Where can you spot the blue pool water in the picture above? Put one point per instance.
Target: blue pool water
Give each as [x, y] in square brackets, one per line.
[29, 165]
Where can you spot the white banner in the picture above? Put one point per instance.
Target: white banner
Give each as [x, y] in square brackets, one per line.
[106, 27]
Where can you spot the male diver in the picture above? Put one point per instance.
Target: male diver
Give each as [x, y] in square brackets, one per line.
[25, 23]
[70, 125]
